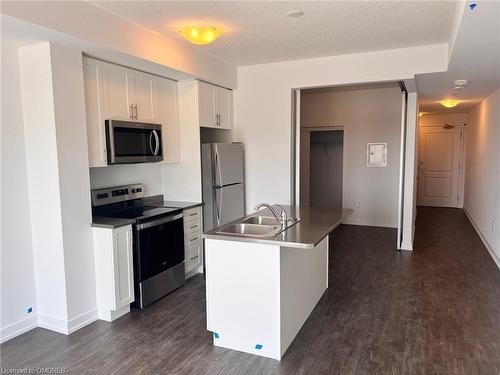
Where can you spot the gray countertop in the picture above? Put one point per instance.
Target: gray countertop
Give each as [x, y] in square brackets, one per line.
[180, 204]
[315, 224]
[110, 222]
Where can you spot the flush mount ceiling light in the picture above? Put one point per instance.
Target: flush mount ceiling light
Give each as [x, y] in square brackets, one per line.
[295, 13]
[200, 34]
[449, 103]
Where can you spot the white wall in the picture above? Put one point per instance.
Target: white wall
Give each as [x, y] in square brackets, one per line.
[51, 80]
[182, 181]
[115, 175]
[367, 115]
[17, 271]
[482, 174]
[263, 105]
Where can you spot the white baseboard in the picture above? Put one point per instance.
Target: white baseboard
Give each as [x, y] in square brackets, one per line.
[83, 320]
[53, 324]
[483, 239]
[110, 315]
[18, 328]
[370, 222]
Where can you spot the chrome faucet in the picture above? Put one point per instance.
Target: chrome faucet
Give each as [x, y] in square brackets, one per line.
[282, 218]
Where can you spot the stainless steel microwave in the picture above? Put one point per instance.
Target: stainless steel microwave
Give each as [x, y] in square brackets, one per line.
[133, 142]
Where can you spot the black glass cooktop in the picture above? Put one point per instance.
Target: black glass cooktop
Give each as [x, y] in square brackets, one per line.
[140, 212]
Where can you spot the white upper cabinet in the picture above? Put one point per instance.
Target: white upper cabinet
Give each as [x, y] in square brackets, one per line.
[118, 92]
[143, 97]
[215, 106]
[115, 92]
[167, 115]
[206, 105]
[224, 107]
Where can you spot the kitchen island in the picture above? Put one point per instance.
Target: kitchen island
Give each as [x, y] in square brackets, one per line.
[260, 290]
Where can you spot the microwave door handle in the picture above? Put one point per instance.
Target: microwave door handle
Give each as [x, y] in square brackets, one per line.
[150, 144]
[157, 142]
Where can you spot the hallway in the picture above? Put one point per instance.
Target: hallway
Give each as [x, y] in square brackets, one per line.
[433, 311]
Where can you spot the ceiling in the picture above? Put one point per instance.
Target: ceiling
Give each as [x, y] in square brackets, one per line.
[475, 57]
[261, 31]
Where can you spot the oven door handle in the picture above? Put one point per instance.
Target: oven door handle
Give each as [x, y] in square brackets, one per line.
[154, 223]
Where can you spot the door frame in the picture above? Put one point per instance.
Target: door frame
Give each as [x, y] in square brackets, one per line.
[295, 158]
[461, 166]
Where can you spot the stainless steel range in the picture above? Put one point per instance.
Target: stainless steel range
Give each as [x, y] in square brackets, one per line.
[158, 239]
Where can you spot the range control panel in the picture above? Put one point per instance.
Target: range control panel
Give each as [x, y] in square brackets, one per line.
[116, 194]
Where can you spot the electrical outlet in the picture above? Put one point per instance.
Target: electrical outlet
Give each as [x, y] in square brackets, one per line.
[29, 310]
[357, 204]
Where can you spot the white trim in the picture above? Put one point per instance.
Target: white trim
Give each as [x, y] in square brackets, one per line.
[83, 320]
[370, 223]
[111, 315]
[53, 324]
[18, 328]
[408, 246]
[483, 239]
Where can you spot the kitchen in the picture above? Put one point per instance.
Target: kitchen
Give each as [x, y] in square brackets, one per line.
[153, 204]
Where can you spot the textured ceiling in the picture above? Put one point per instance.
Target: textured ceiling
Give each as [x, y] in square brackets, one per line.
[261, 31]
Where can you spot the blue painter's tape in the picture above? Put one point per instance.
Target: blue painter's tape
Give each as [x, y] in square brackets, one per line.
[472, 6]
[30, 310]
[258, 346]
[216, 335]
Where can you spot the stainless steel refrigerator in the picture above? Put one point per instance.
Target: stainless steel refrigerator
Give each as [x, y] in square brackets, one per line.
[223, 183]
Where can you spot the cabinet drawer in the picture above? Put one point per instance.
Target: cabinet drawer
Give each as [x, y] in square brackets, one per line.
[193, 257]
[192, 214]
[191, 239]
[192, 226]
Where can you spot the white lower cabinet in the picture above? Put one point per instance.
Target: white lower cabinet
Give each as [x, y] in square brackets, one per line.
[193, 243]
[114, 270]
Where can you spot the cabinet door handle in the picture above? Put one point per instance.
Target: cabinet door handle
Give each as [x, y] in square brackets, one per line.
[193, 214]
[220, 119]
[193, 239]
[135, 108]
[131, 111]
[194, 226]
[193, 258]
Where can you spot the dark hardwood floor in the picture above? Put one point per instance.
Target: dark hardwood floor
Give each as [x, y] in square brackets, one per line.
[433, 311]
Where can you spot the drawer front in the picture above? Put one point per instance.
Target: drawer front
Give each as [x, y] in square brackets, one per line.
[192, 226]
[192, 214]
[193, 257]
[191, 238]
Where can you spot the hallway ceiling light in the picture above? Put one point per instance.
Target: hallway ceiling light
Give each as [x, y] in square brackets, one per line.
[200, 34]
[449, 103]
[459, 84]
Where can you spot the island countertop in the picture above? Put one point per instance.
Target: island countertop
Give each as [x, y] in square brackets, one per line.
[315, 224]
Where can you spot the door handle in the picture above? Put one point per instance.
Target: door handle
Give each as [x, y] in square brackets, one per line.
[157, 142]
[150, 145]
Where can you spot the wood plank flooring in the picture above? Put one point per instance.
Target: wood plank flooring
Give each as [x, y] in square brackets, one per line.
[433, 311]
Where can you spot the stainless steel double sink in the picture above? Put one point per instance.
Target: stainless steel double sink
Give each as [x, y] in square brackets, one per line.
[256, 227]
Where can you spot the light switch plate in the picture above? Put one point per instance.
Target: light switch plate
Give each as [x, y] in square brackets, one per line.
[376, 155]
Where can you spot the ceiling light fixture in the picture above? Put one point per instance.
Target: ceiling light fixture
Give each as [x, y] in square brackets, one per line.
[295, 13]
[449, 103]
[200, 34]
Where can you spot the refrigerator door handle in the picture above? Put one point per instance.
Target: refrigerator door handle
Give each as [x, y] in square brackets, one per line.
[218, 207]
[217, 169]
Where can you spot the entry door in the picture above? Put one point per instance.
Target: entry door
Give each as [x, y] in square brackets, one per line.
[440, 151]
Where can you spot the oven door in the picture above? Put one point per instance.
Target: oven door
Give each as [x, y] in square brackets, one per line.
[159, 245]
[133, 142]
